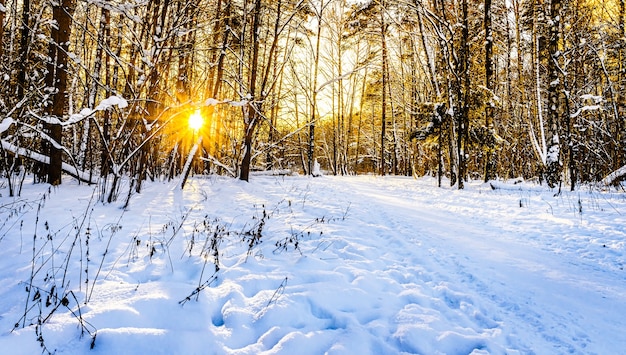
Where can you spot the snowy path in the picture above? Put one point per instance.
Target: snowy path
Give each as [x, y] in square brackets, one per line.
[542, 301]
[385, 266]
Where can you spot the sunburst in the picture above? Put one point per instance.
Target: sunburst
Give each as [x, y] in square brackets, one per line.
[196, 121]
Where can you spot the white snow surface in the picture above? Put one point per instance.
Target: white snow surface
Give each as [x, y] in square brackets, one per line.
[387, 265]
[5, 124]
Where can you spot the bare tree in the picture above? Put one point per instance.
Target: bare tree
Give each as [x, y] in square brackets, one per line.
[260, 82]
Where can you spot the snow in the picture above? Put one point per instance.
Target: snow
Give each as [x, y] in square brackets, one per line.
[595, 98]
[585, 109]
[553, 151]
[77, 117]
[240, 103]
[5, 124]
[317, 171]
[5, 145]
[615, 175]
[212, 102]
[105, 104]
[112, 101]
[343, 265]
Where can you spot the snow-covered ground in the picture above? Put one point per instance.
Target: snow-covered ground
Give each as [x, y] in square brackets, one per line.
[336, 265]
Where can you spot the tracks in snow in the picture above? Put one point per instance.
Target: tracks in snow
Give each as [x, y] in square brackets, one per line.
[490, 282]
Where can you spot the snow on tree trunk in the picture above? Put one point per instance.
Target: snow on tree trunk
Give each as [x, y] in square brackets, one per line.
[553, 162]
[189, 161]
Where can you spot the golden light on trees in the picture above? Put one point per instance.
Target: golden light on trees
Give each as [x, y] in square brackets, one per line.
[196, 120]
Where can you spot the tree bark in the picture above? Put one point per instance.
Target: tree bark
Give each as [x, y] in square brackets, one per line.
[463, 78]
[251, 109]
[621, 104]
[24, 50]
[489, 144]
[553, 168]
[311, 151]
[56, 81]
[103, 42]
[2, 16]
[383, 115]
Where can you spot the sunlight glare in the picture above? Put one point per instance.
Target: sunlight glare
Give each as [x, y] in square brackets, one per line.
[196, 120]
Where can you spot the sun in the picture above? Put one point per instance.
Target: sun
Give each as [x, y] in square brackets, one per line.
[196, 120]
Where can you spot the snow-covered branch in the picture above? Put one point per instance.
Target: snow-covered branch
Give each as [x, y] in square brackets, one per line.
[215, 161]
[584, 109]
[338, 78]
[613, 177]
[72, 170]
[104, 105]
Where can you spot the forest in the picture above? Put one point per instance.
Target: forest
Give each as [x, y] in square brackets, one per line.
[109, 91]
[147, 203]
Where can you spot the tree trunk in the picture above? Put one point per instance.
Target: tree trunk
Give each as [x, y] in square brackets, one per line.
[432, 76]
[251, 109]
[553, 162]
[186, 46]
[2, 16]
[156, 76]
[621, 104]
[383, 115]
[359, 127]
[215, 80]
[56, 81]
[463, 92]
[24, 50]
[103, 42]
[311, 151]
[244, 173]
[489, 143]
